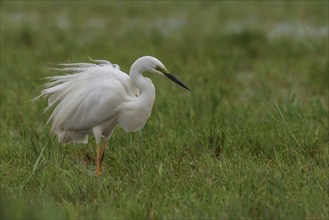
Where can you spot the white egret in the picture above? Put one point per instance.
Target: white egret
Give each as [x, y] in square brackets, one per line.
[96, 97]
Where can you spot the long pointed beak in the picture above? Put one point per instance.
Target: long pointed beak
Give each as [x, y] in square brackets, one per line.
[173, 78]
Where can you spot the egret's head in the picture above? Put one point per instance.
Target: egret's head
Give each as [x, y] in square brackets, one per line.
[153, 65]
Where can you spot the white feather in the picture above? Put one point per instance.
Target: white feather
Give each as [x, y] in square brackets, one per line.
[88, 97]
[96, 97]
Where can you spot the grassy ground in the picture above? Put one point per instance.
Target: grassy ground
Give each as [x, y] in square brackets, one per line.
[249, 142]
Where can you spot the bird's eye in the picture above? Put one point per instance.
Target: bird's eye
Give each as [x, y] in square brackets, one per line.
[158, 68]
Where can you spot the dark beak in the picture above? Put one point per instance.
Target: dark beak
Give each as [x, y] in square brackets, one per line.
[173, 78]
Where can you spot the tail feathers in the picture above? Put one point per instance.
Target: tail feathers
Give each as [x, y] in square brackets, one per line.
[72, 137]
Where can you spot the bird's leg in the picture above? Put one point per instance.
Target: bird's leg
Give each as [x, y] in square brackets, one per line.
[103, 151]
[98, 161]
[100, 157]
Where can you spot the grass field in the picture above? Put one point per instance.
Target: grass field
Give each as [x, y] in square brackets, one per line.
[249, 142]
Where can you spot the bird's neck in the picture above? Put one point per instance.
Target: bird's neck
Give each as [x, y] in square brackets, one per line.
[144, 84]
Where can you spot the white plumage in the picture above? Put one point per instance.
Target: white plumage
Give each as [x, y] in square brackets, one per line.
[86, 99]
[96, 97]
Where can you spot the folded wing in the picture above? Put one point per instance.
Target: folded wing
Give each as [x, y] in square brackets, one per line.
[87, 97]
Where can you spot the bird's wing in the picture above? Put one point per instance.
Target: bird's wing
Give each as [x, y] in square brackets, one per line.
[89, 96]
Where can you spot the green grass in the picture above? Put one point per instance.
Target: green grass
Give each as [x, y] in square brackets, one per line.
[249, 142]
